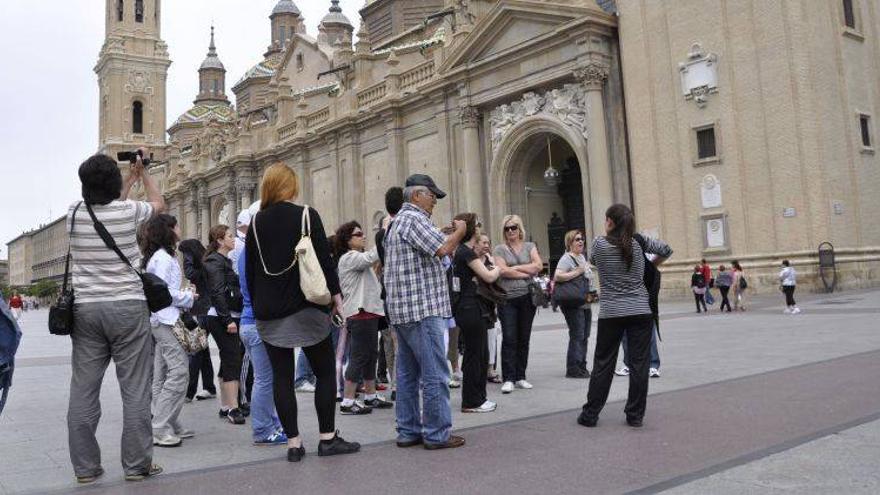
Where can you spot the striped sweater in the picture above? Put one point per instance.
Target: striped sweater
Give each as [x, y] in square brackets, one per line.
[623, 291]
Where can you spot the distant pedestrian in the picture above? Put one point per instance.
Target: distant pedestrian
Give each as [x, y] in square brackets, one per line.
[170, 365]
[579, 319]
[15, 305]
[625, 308]
[419, 306]
[724, 282]
[199, 363]
[698, 287]
[740, 284]
[788, 280]
[111, 318]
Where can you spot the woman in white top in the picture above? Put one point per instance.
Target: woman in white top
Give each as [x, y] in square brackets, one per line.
[171, 364]
[363, 310]
[788, 280]
[572, 265]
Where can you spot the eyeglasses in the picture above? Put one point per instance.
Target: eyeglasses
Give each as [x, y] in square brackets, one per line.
[428, 193]
[578, 239]
[511, 228]
[357, 234]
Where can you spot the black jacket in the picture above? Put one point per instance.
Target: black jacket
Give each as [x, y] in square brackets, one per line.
[223, 285]
[194, 271]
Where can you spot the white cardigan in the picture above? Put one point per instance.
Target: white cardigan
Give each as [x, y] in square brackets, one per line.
[164, 266]
[359, 283]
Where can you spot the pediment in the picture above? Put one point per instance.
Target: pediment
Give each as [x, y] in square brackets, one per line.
[313, 57]
[512, 25]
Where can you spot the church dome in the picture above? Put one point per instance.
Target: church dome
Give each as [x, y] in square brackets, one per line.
[204, 112]
[285, 7]
[335, 16]
[212, 61]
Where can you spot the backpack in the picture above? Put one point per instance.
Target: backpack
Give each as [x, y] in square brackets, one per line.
[10, 337]
[651, 279]
[743, 285]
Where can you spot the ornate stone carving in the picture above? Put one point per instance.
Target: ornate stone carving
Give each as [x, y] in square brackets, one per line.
[568, 104]
[469, 116]
[592, 75]
[138, 82]
[699, 75]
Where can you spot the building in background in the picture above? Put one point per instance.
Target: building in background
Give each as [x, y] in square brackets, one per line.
[38, 255]
[4, 273]
[21, 260]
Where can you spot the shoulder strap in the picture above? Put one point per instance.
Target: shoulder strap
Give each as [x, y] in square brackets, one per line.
[260, 253]
[108, 239]
[306, 222]
[69, 241]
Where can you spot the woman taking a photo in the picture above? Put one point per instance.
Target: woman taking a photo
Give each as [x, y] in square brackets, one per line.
[285, 319]
[572, 265]
[466, 267]
[199, 363]
[519, 262]
[170, 363]
[620, 260]
[225, 294]
[362, 309]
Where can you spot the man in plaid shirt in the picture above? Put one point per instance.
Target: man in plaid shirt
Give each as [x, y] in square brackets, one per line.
[418, 306]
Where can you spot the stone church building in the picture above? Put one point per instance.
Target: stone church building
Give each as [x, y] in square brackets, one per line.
[738, 129]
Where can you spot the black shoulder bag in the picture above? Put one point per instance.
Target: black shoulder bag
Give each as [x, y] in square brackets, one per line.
[652, 281]
[155, 289]
[61, 313]
[572, 293]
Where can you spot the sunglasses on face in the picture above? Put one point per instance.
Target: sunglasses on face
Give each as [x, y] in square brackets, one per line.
[578, 239]
[511, 228]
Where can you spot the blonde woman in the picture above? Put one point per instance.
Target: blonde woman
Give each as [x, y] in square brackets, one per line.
[572, 265]
[519, 262]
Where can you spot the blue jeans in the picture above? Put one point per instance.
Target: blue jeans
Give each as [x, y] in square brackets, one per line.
[264, 421]
[579, 321]
[655, 355]
[421, 358]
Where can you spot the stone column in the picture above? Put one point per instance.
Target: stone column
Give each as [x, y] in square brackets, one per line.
[473, 170]
[246, 185]
[593, 77]
[204, 212]
[192, 216]
[231, 195]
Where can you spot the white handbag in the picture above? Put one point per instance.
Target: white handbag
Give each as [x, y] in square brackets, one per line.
[311, 276]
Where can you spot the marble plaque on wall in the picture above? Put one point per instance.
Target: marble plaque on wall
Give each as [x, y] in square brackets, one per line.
[710, 191]
[715, 233]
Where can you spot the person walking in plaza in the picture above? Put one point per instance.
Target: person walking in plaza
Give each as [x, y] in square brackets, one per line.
[362, 310]
[579, 319]
[706, 270]
[739, 286]
[285, 318]
[170, 364]
[225, 293]
[520, 263]
[111, 318]
[788, 281]
[625, 308]
[199, 363]
[724, 281]
[418, 307]
[468, 312]
[265, 427]
[15, 305]
[698, 287]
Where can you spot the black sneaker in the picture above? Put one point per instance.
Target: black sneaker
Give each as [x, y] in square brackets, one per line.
[245, 409]
[337, 446]
[355, 409]
[296, 455]
[235, 416]
[379, 402]
[223, 413]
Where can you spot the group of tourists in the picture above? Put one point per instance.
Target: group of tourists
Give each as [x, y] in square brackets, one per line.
[277, 283]
[733, 278]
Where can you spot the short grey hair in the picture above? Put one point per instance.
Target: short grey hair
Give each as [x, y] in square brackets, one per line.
[410, 191]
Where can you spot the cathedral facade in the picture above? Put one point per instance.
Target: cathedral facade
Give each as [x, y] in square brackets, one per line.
[742, 130]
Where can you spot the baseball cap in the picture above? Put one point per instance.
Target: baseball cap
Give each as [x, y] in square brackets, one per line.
[244, 218]
[426, 181]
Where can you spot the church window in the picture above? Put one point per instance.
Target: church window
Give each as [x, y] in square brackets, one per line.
[706, 143]
[865, 128]
[137, 118]
[216, 86]
[299, 62]
[120, 10]
[139, 10]
[849, 14]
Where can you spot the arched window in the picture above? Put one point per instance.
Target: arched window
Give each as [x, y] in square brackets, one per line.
[137, 118]
[139, 10]
[120, 10]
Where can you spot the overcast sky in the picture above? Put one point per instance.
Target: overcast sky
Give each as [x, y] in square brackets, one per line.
[49, 91]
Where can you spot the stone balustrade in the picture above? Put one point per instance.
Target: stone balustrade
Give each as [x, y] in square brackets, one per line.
[287, 131]
[317, 118]
[417, 75]
[372, 94]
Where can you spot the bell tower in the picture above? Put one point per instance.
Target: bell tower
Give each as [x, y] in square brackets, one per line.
[132, 69]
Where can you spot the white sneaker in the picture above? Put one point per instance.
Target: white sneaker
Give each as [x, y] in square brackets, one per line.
[306, 387]
[523, 385]
[167, 440]
[453, 383]
[654, 373]
[507, 388]
[787, 311]
[204, 395]
[487, 407]
[622, 371]
[185, 433]
[796, 310]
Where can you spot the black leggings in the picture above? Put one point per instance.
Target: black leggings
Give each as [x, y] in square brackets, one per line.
[475, 365]
[364, 339]
[789, 295]
[323, 361]
[231, 350]
[700, 299]
[724, 300]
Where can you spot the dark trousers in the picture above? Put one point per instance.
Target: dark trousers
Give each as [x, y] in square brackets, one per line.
[724, 300]
[200, 364]
[516, 317]
[364, 340]
[789, 295]
[231, 350]
[381, 362]
[579, 321]
[700, 299]
[475, 365]
[323, 361]
[608, 335]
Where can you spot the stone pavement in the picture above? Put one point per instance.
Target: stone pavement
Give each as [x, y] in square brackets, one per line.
[748, 403]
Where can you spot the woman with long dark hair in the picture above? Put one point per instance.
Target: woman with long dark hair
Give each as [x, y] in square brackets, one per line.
[170, 363]
[199, 363]
[285, 318]
[620, 260]
[225, 293]
[362, 309]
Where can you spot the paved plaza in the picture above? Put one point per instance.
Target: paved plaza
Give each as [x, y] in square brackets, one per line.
[760, 402]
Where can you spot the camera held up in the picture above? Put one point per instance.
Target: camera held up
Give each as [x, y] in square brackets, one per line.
[131, 157]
